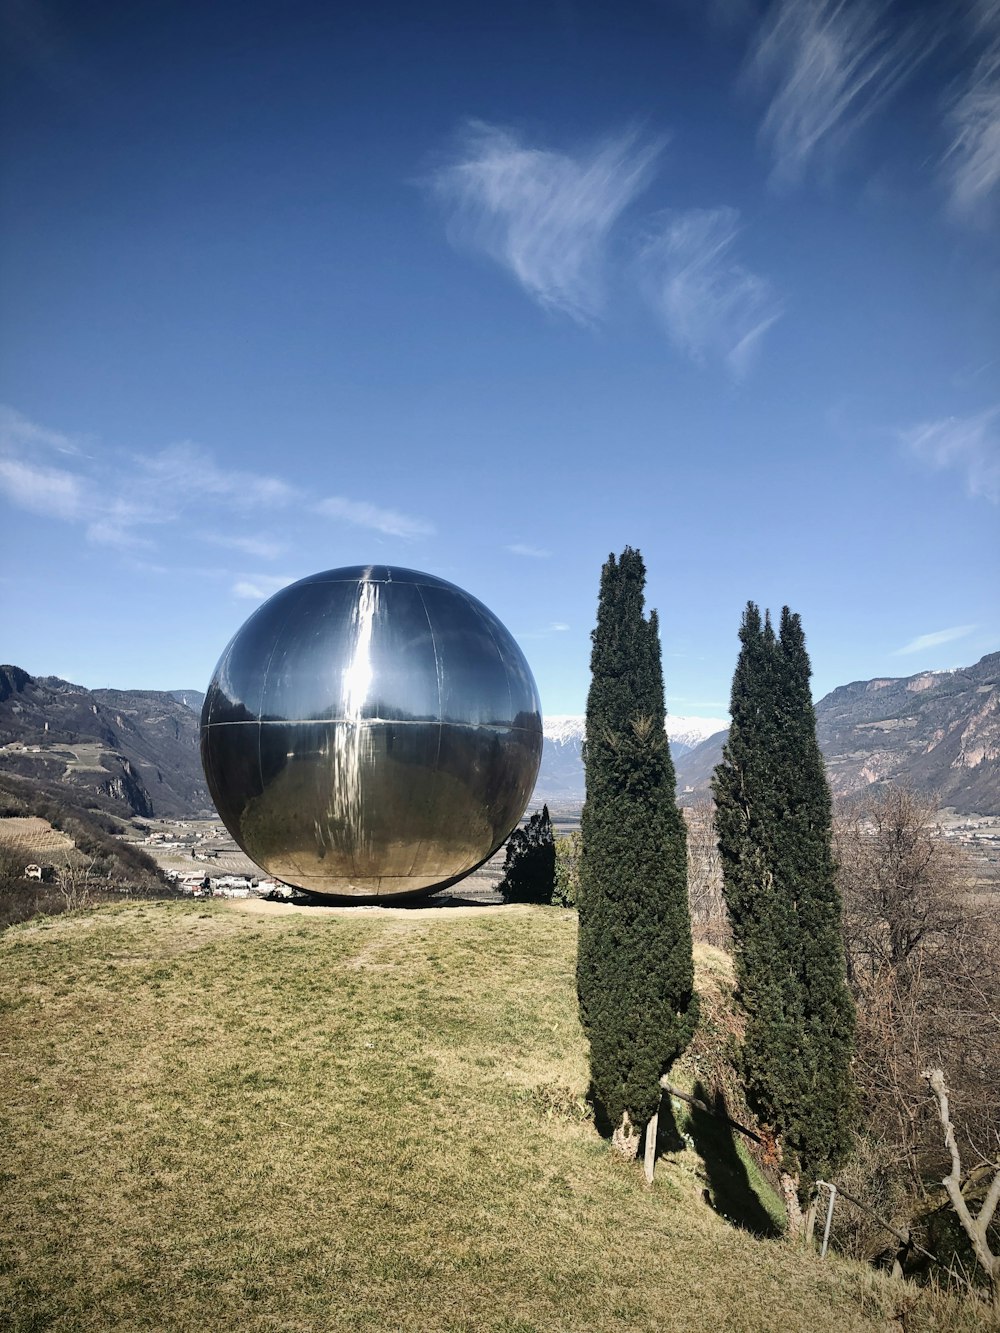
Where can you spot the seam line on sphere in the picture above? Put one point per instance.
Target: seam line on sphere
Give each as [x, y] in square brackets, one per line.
[372, 722]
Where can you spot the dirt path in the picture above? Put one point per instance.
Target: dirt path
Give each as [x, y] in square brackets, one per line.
[444, 911]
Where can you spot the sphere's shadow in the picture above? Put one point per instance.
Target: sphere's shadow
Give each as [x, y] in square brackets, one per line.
[446, 898]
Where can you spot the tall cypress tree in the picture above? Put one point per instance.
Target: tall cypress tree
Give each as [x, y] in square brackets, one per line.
[635, 975]
[809, 868]
[773, 817]
[765, 935]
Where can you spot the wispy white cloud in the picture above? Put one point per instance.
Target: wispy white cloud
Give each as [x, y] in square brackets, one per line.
[544, 216]
[73, 497]
[117, 522]
[362, 514]
[827, 65]
[255, 587]
[118, 499]
[972, 161]
[709, 303]
[17, 434]
[970, 445]
[529, 552]
[553, 627]
[49, 491]
[77, 489]
[966, 376]
[262, 547]
[924, 641]
[186, 469]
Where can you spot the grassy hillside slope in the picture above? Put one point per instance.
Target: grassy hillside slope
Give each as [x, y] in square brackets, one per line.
[365, 1120]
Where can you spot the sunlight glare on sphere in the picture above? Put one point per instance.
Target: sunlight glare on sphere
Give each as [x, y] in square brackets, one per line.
[370, 733]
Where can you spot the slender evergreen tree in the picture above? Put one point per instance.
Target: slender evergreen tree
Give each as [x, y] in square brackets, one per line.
[634, 970]
[773, 817]
[809, 868]
[529, 871]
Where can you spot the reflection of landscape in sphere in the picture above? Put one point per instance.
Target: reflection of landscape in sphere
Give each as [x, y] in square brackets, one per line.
[371, 732]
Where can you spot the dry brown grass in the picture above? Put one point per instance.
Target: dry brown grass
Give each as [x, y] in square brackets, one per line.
[220, 1120]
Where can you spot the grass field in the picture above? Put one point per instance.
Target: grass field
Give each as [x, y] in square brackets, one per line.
[219, 1119]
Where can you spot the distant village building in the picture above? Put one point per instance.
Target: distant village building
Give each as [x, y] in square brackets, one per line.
[33, 872]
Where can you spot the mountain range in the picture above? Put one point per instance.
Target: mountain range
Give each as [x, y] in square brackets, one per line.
[937, 732]
[560, 778]
[137, 750]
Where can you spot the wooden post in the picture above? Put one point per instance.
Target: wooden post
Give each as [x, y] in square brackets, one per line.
[649, 1159]
[902, 1254]
[829, 1215]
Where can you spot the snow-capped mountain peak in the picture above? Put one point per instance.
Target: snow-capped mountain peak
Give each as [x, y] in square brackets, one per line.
[691, 731]
[561, 776]
[564, 728]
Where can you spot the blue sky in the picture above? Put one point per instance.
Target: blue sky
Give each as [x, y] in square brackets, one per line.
[491, 293]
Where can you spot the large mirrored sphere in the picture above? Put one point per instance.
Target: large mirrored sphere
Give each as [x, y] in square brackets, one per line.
[371, 733]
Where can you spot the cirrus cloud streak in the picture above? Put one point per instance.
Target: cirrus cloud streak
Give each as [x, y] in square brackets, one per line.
[545, 216]
[119, 498]
[551, 220]
[362, 514]
[968, 445]
[529, 552]
[972, 160]
[934, 639]
[709, 303]
[831, 64]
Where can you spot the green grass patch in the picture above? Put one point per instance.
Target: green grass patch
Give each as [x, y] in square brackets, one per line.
[213, 1119]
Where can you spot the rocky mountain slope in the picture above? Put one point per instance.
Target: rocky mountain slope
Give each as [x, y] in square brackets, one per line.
[138, 748]
[937, 731]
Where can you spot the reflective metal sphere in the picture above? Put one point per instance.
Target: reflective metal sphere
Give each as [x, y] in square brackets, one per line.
[371, 732]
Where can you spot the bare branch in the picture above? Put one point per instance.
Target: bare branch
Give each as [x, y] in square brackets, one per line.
[990, 1202]
[974, 1227]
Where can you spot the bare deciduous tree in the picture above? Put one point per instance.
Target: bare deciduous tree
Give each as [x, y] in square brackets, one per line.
[77, 883]
[709, 920]
[900, 879]
[922, 953]
[976, 1228]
